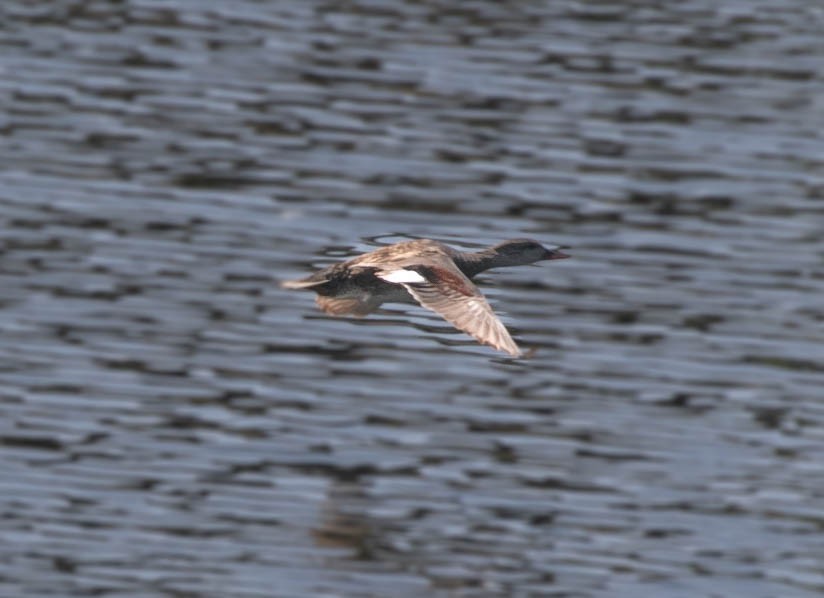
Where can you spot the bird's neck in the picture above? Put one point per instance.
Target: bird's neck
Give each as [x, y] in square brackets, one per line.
[475, 262]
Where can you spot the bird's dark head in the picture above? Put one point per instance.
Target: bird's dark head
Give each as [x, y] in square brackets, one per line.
[528, 251]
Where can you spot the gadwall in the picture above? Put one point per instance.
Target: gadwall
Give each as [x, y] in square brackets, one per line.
[433, 274]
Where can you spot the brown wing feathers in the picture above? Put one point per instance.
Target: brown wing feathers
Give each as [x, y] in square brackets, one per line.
[449, 293]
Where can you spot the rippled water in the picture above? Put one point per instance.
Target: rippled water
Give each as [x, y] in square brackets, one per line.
[174, 424]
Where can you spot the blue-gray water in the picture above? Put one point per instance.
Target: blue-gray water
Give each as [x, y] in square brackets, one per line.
[174, 424]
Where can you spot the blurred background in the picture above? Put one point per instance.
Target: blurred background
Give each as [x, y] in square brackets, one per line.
[174, 424]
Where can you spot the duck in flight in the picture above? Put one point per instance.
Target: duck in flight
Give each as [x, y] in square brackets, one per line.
[431, 273]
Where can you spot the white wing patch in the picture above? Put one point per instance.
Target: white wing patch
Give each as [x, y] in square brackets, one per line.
[402, 276]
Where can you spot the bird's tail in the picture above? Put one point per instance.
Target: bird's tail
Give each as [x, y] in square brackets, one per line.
[301, 284]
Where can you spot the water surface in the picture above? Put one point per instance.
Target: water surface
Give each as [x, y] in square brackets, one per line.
[174, 424]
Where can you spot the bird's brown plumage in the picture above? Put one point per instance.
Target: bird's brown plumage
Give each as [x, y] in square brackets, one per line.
[431, 273]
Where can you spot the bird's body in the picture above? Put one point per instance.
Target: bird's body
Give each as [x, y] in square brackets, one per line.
[430, 273]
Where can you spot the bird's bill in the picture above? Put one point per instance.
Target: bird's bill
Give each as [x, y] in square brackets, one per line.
[556, 254]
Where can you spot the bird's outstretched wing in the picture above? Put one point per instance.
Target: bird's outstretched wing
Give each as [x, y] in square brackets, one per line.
[441, 287]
